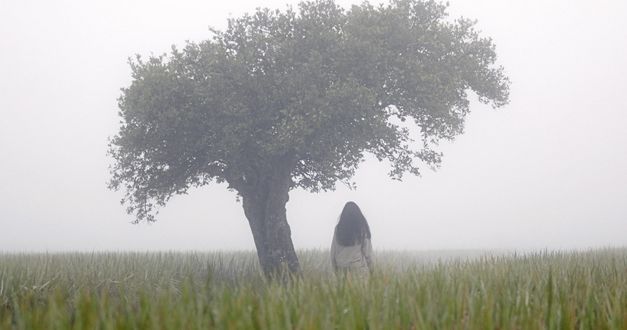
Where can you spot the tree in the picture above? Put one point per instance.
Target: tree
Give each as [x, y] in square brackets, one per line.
[296, 98]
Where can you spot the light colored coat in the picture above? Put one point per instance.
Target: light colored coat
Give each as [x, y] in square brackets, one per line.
[355, 258]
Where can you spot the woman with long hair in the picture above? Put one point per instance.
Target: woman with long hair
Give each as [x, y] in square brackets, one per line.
[351, 250]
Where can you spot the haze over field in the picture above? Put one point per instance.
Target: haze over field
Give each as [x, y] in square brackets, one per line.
[546, 171]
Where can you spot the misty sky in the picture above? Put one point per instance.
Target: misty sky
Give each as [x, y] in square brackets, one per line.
[547, 171]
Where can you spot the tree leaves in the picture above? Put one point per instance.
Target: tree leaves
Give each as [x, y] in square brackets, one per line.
[320, 84]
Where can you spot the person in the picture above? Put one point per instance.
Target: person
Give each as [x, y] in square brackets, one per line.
[351, 249]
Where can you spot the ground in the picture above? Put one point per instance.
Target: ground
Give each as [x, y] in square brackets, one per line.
[409, 290]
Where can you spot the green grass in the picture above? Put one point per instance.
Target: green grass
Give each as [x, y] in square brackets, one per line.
[560, 290]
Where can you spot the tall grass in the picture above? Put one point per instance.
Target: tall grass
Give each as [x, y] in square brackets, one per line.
[574, 290]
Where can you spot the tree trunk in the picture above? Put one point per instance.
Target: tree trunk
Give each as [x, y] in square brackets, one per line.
[264, 206]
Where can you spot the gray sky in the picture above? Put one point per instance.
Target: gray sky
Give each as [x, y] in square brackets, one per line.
[547, 171]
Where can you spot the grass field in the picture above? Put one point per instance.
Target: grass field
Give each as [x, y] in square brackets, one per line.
[551, 290]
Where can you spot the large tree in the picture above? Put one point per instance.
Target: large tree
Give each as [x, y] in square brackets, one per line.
[296, 99]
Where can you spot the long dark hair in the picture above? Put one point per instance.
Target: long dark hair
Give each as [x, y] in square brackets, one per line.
[352, 227]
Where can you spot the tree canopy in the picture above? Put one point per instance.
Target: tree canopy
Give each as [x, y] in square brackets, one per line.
[311, 89]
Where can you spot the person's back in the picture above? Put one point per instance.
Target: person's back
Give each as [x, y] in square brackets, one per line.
[351, 249]
[353, 258]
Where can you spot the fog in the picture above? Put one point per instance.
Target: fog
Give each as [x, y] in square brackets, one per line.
[547, 171]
